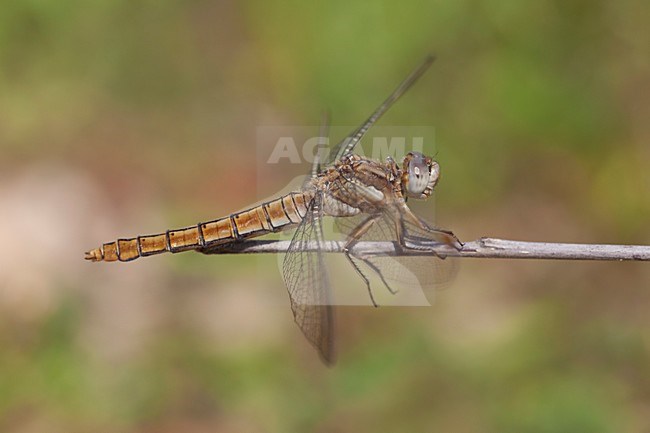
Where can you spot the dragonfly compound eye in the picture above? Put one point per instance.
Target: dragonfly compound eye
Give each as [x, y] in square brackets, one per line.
[420, 175]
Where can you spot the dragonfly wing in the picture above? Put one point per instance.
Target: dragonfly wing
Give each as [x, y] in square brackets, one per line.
[347, 145]
[305, 276]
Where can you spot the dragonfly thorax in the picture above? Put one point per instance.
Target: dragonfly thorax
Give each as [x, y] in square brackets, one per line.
[419, 176]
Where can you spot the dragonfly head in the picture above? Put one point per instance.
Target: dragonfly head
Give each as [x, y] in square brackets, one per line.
[420, 175]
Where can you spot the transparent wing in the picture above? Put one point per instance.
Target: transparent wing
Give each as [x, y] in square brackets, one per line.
[323, 134]
[347, 145]
[305, 276]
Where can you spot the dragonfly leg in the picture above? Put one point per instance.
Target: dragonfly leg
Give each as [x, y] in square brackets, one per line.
[433, 235]
[353, 238]
[362, 275]
[446, 236]
[451, 238]
[378, 272]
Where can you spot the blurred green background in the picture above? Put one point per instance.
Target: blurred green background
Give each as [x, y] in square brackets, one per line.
[120, 117]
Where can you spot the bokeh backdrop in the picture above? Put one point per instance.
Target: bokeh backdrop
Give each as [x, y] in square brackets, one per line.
[119, 118]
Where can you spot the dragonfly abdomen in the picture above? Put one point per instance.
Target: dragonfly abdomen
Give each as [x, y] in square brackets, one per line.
[265, 218]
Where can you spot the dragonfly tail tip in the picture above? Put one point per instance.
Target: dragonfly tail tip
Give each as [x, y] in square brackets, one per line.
[93, 255]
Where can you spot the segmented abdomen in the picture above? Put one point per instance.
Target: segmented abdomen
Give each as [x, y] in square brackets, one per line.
[266, 218]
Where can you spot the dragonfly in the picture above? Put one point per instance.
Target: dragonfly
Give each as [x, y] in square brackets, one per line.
[368, 201]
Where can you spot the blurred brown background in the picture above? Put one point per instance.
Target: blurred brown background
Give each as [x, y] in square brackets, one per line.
[119, 118]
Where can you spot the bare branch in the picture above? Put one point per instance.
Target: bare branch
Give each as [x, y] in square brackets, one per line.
[488, 248]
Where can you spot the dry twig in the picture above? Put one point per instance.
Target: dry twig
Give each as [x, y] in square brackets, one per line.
[488, 248]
